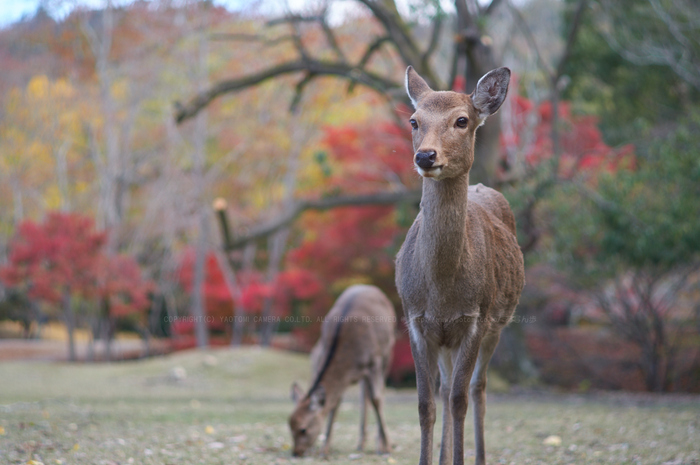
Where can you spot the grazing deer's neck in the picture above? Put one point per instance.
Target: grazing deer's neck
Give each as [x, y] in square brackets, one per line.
[443, 235]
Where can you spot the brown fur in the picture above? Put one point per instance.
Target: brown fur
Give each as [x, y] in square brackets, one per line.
[460, 271]
[365, 340]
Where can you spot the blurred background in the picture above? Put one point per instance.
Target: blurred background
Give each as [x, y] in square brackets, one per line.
[122, 122]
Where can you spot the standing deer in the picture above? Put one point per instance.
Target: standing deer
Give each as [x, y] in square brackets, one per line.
[460, 271]
[357, 339]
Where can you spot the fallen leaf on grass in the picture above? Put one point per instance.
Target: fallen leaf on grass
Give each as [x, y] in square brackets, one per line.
[209, 430]
[552, 441]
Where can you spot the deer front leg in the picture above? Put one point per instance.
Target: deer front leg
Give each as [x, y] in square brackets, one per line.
[329, 427]
[445, 364]
[463, 368]
[477, 392]
[425, 359]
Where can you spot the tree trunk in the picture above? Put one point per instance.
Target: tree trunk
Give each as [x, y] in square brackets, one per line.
[479, 61]
[277, 244]
[197, 306]
[107, 328]
[69, 317]
[199, 157]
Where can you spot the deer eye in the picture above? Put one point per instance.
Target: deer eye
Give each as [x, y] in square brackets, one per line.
[462, 122]
[414, 123]
[302, 431]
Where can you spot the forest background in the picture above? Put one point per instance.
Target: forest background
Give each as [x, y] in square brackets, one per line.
[120, 126]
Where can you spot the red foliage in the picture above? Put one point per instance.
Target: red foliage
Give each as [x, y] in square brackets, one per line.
[61, 253]
[370, 155]
[64, 253]
[252, 291]
[581, 142]
[354, 241]
[351, 244]
[346, 242]
[119, 280]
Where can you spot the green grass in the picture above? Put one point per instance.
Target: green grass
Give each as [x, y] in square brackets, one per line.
[233, 405]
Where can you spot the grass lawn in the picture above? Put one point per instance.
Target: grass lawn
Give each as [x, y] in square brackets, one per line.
[231, 407]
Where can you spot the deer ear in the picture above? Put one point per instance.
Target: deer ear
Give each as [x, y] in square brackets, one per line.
[490, 92]
[416, 87]
[318, 398]
[296, 392]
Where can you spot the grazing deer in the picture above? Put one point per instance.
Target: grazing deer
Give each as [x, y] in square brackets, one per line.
[460, 271]
[357, 339]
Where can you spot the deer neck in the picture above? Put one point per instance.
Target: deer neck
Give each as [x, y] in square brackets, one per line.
[443, 237]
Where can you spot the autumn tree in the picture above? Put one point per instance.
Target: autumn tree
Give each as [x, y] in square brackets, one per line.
[55, 262]
[452, 51]
[62, 262]
[634, 247]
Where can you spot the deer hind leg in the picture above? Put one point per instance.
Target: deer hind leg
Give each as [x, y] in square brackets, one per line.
[445, 364]
[425, 359]
[375, 385]
[477, 392]
[463, 361]
[364, 400]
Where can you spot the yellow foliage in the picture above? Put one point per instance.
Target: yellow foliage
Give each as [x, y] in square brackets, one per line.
[39, 151]
[38, 88]
[120, 90]
[62, 89]
[52, 197]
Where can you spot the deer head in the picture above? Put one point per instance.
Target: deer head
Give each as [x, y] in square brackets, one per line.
[444, 123]
[307, 418]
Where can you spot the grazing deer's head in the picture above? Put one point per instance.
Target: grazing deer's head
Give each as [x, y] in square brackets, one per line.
[444, 123]
[307, 419]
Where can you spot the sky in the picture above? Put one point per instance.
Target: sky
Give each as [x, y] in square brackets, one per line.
[14, 10]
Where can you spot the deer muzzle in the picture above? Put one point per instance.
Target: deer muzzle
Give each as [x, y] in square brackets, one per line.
[425, 160]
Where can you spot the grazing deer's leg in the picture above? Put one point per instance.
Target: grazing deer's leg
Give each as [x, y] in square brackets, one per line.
[364, 399]
[329, 428]
[376, 395]
[425, 359]
[445, 363]
[463, 367]
[477, 392]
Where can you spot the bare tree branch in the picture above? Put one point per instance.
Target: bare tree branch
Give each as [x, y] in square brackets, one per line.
[290, 19]
[371, 50]
[434, 38]
[316, 67]
[530, 38]
[492, 7]
[299, 90]
[397, 30]
[571, 38]
[330, 37]
[296, 209]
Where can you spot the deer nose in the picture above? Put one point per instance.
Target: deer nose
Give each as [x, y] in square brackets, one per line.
[426, 159]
